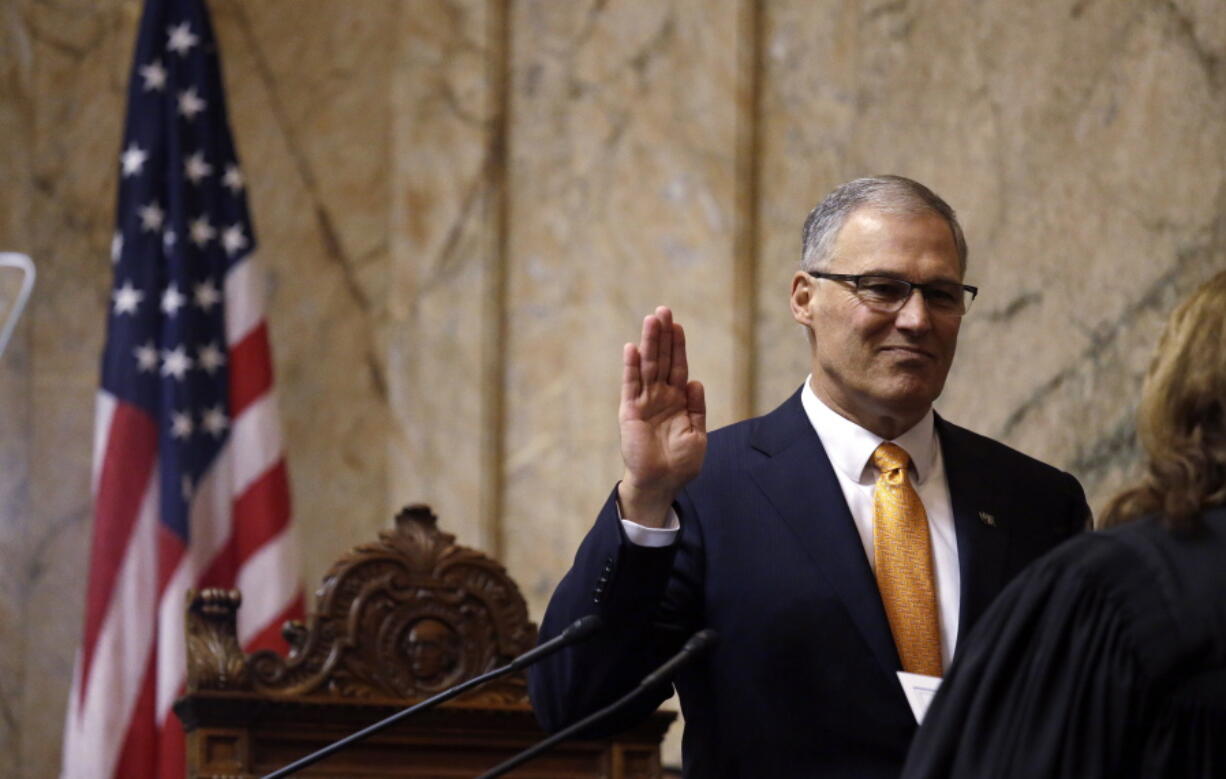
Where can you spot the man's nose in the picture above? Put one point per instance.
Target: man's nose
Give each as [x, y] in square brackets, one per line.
[914, 316]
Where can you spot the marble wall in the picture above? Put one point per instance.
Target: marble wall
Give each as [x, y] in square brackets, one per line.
[467, 205]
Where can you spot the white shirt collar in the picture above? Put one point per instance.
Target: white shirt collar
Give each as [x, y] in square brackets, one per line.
[850, 446]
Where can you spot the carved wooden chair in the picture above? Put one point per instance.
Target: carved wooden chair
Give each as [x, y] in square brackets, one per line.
[396, 621]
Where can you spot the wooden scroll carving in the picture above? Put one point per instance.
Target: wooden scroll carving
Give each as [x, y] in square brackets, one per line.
[404, 617]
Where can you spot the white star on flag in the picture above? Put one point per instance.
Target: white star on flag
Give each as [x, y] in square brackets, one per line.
[172, 300]
[175, 362]
[133, 159]
[127, 298]
[210, 358]
[146, 357]
[181, 39]
[214, 421]
[154, 75]
[151, 217]
[180, 424]
[202, 231]
[195, 167]
[116, 246]
[190, 103]
[233, 239]
[168, 239]
[207, 295]
[233, 179]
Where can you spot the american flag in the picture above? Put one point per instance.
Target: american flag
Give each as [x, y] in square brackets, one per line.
[190, 484]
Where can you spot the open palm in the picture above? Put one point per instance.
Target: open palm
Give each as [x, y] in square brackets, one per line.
[662, 417]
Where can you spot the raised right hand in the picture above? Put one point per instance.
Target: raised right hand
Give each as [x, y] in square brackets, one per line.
[663, 418]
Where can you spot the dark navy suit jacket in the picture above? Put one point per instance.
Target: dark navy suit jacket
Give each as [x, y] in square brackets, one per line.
[802, 681]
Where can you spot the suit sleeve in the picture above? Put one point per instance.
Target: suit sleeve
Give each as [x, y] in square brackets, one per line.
[647, 598]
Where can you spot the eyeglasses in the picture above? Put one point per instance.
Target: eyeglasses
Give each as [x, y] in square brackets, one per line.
[888, 294]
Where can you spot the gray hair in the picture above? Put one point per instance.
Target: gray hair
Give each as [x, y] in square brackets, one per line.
[886, 194]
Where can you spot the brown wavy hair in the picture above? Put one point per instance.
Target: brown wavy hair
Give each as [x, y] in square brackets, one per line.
[1181, 421]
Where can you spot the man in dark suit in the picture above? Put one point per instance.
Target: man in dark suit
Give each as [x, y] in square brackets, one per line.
[845, 536]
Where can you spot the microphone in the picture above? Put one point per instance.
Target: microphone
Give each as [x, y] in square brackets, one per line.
[574, 633]
[696, 645]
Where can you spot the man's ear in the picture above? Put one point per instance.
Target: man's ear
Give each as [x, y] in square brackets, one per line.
[802, 298]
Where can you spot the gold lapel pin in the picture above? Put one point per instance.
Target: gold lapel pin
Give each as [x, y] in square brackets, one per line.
[987, 519]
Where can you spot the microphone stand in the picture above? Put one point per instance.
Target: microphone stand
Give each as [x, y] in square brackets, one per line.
[24, 264]
[578, 630]
[699, 642]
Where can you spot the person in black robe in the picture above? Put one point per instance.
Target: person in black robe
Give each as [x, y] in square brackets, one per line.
[1107, 658]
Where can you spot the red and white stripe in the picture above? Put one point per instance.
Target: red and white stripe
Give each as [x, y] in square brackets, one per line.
[131, 665]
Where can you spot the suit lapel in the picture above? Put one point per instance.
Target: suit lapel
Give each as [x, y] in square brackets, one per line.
[983, 537]
[800, 483]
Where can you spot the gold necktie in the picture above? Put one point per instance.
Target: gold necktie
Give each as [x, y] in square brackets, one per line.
[903, 554]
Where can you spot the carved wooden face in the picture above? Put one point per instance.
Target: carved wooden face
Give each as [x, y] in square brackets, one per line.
[433, 648]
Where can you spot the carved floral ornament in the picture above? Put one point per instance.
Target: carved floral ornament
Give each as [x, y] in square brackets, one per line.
[404, 617]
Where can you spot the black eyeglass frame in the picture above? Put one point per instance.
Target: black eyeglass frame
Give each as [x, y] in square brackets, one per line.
[854, 280]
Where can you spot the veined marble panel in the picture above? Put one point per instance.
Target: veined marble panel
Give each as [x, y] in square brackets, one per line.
[622, 139]
[79, 57]
[307, 85]
[444, 298]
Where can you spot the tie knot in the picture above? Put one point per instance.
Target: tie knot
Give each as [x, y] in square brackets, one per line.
[890, 457]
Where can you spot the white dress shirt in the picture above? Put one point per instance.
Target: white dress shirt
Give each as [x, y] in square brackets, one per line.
[850, 449]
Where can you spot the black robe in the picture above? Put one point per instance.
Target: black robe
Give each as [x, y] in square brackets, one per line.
[1107, 658]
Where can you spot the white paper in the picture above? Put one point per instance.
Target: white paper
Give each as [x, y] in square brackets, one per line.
[919, 690]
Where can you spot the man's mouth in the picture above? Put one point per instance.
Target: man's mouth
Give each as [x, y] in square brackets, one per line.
[913, 351]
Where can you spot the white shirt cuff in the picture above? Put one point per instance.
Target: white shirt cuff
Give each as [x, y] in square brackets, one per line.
[641, 535]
